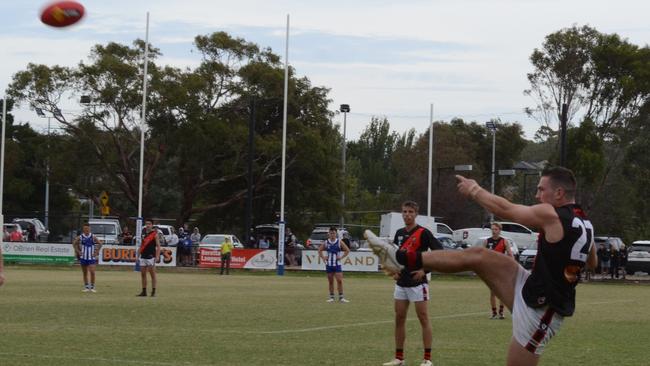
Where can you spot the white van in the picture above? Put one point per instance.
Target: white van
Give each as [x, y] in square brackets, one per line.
[108, 230]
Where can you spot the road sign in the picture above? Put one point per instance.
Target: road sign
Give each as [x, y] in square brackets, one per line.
[106, 210]
[104, 198]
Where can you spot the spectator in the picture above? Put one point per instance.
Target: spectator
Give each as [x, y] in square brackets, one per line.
[173, 237]
[622, 253]
[127, 236]
[264, 243]
[5, 234]
[184, 247]
[195, 238]
[31, 233]
[613, 262]
[16, 235]
[604, 255]
[290, 247]
[252, 242]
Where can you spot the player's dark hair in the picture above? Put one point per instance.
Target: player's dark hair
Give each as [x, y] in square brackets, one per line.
[411, 204]
[86, 224]
[561, 177]
[148, 220]
[333, 228]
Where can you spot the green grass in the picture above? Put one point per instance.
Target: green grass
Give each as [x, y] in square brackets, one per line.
[262, 319]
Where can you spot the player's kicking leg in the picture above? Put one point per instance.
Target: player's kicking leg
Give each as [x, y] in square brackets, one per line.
[499, 272]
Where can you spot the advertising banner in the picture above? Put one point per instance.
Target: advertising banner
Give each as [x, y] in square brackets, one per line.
[124, 255]
[240, 258]
[355, 262]
[49, 253]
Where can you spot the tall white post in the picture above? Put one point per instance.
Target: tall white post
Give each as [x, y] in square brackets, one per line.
[494, 133]
[343, 148]
[430, 161]
[284, 157]
[2, 163]
[47, 180]
[138, 230]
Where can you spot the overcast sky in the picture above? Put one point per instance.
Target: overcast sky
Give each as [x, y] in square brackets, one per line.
[385, 58]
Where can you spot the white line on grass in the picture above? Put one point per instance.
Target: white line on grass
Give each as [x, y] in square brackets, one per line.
[315, 329]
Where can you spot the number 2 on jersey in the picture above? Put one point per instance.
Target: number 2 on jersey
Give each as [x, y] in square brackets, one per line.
[580, 249]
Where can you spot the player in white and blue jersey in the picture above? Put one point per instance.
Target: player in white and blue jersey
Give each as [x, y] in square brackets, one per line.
[330, 253]
[86, 247]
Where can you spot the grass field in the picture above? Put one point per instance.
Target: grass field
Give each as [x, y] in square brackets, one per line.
[262, 319]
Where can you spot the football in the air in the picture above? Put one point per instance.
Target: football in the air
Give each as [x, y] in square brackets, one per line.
[62, 13]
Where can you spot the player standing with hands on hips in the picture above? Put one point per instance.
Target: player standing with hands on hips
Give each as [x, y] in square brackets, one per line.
[86, 247]
[539, 300]
[330, 252]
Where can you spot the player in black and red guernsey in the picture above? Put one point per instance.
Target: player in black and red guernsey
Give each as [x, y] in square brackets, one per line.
[500, 245]
[539, 301]
[412, 286]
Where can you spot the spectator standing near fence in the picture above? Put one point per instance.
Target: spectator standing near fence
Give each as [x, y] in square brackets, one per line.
[290, 247]
[149, 253]
[127, 236]
[604, 255]
[86, 247]
[195, 240]
[16, 235]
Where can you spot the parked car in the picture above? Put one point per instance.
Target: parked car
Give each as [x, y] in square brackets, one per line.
[108, 230]
[448, 243]
[41, 232]
[523, 236]
[169, 235]
[527, 258]
[214, 241]
[638, 257]
[15, 232]
[320, 234]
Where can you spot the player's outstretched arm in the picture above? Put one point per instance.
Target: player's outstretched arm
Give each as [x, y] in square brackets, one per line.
[538, 216]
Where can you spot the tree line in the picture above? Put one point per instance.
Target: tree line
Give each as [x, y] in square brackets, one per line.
[199, 163]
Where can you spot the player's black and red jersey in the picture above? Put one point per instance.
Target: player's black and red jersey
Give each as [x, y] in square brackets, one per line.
[419, 239]
[557, 266]
[498, 245]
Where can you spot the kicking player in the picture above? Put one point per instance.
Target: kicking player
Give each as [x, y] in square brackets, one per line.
[539, 300]
[499, 245]
[412, 286]
[333, 247]
[86, 247]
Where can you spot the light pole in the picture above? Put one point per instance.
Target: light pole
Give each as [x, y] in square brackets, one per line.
[345, 108]
[57, 113]
[491, 125]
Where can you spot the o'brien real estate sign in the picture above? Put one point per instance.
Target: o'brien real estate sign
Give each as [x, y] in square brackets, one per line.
[20, 252]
